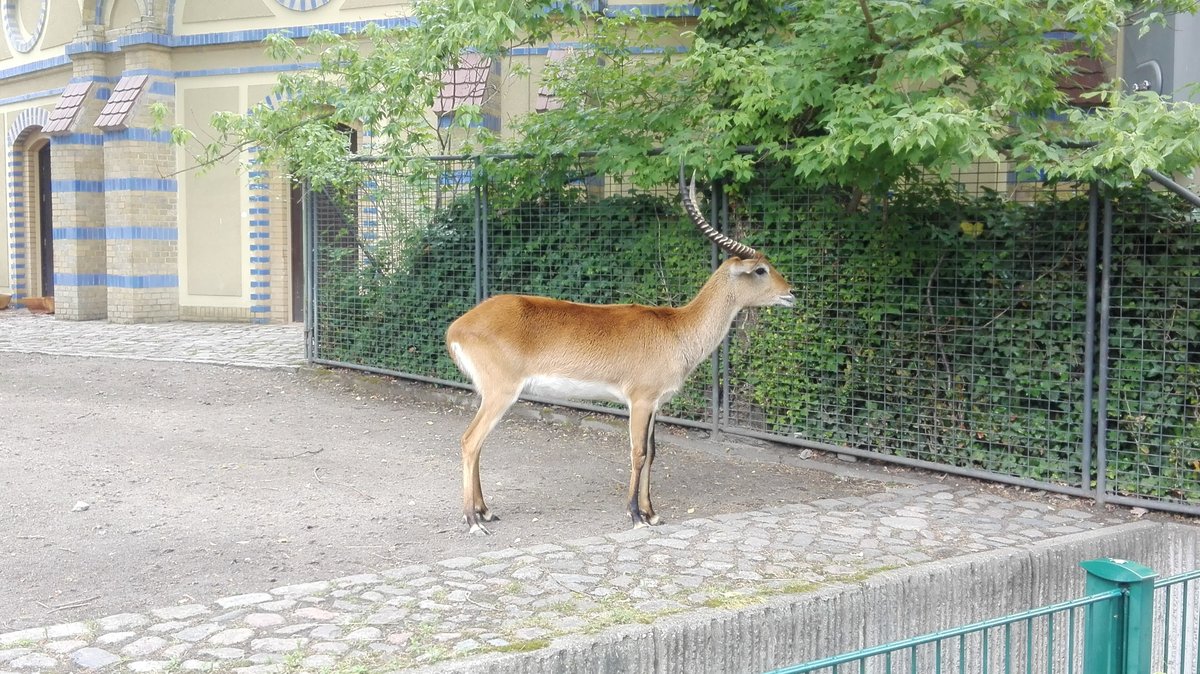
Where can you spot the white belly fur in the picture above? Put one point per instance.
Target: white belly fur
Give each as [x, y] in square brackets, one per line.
[565, 387]
[549, 386]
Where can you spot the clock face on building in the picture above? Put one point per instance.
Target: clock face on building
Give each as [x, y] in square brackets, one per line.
[23, 22]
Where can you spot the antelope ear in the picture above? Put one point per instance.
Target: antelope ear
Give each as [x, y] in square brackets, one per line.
[743, 266]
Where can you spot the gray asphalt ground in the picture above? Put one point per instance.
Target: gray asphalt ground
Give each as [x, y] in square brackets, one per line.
[819, 522]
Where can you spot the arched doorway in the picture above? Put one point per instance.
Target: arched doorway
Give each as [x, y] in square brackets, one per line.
[25, 141]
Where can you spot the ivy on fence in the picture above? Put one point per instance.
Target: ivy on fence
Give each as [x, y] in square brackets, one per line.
[936, 324]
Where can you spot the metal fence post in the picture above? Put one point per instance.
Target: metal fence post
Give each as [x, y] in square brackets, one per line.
[1118, 632]
[1089, 343]
[720, 360]
[308, 247]
[480, 189]
[1101, 439]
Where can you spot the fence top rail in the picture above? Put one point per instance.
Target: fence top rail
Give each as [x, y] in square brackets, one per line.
[965, 630]
[1179, 190]
[1179, 579]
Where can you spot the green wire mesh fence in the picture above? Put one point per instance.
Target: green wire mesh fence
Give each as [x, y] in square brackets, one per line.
[993, 325]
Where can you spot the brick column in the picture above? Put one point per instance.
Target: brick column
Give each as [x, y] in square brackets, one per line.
[140, 198]
[77, 161]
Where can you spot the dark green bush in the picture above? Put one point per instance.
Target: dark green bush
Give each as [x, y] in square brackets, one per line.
[936, 325]
[953, 330]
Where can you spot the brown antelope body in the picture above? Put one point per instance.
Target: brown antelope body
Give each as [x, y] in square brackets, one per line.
[627, 353]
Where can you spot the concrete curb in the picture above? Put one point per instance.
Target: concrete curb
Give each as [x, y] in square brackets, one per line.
[887, 606]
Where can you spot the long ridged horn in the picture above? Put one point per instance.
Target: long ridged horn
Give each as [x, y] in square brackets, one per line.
[688, 195]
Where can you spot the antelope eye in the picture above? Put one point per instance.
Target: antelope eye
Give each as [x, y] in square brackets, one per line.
[761, 271]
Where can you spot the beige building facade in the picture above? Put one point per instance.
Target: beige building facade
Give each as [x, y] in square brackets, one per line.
[101, 211]
[106, 215]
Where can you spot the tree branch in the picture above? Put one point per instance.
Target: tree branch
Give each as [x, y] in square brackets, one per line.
[936, 30]
[237, 148]
[870, 22]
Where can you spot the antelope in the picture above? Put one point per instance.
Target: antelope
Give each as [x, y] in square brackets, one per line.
[627, 353]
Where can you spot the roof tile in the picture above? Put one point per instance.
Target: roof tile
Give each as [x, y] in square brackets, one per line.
[117, 110]
[546, 99]
[464, 84]
[67, 108]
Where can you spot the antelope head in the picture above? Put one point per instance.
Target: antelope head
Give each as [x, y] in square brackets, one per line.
[757, 283]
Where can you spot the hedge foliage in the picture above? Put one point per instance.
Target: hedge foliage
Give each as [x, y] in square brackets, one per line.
[936, 325]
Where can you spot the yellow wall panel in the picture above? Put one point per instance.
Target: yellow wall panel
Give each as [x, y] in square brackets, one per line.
[124, 13]
[213, 247]
[29, 12]
[223, 10]
[229, 58]
[62, 24]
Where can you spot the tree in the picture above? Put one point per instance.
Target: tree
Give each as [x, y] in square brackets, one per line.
[382, 81]
[851, 92]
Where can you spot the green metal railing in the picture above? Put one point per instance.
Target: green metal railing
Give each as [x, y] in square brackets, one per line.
[1127, 623]
[1177, 623]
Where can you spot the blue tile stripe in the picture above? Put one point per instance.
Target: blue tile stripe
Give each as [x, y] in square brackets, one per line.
[16, 238]
[79, 280]
[116, 185]
[134, 233]
[31, 96]
[77, 185]
[658, 10]
[490, 122]
[96, 79]
[230, 37]
[260, 224]
[92, 139]
[117, 280]
[79, 234]
[130, 134]
[35, 67]
[140, 185]
[142, 282]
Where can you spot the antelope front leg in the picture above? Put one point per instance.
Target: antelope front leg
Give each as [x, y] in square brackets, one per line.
[644, 503]
[641, 430]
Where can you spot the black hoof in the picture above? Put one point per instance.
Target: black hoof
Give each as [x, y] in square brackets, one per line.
[474, 526]
[640, 519]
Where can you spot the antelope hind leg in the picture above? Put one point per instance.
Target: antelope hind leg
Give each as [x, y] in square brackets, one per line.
[491, 409]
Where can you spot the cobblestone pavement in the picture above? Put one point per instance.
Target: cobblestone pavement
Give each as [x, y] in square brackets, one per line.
[511, 599]
[240, 344]
[518, 599]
